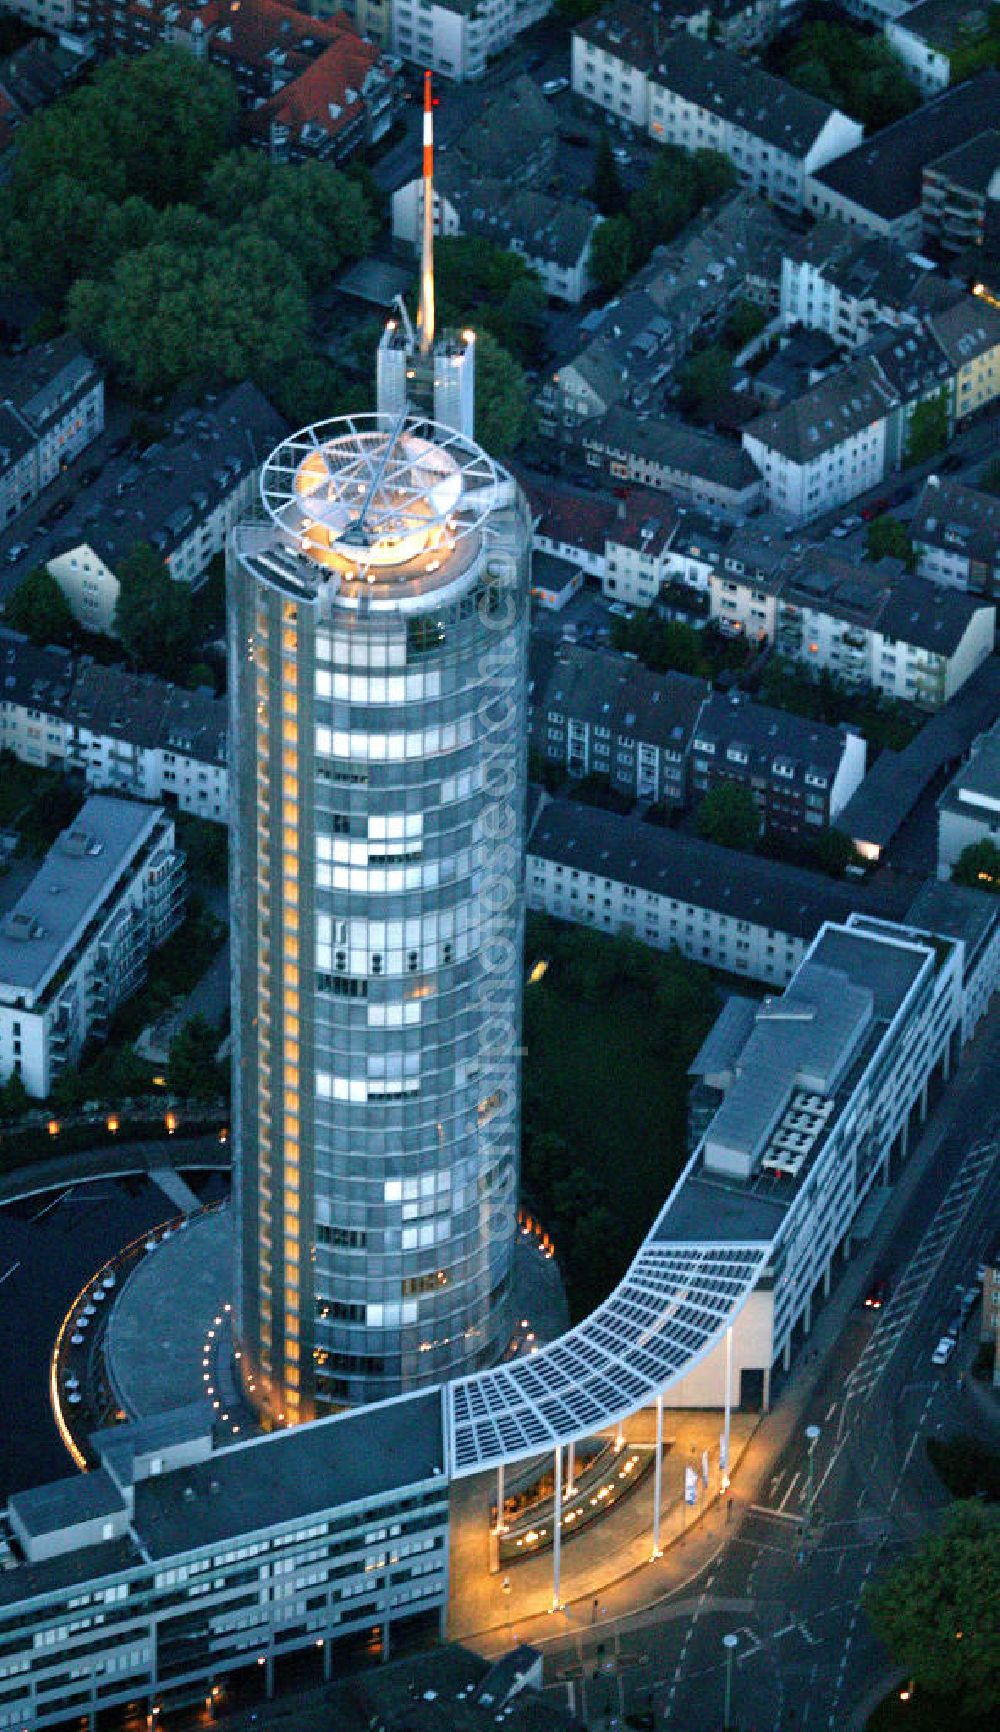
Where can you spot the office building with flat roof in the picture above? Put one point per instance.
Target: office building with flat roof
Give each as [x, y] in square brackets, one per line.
[377, 631]
[76, 942]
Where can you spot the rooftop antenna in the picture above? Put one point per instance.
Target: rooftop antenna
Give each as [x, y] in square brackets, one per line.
[405, 316]
[425, 316]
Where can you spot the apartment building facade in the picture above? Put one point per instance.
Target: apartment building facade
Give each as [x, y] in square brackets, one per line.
[899, 635]
[51, 409]
[956, 536]
[600, 714]
[847, 284]
[621, 875]
[456, 38]
[969, 808]
[800, 773]
[76, 942]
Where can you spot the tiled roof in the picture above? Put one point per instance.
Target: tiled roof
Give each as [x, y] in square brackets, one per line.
[835, 409]
[959, 519]
[328, 92]
[556, 230]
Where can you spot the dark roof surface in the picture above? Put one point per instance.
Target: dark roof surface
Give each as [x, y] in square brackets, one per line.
[764, 892]
[149, 712]
[66, 1503]
[299, 1473]
[784, 116]
[883, 174]
[769, 733]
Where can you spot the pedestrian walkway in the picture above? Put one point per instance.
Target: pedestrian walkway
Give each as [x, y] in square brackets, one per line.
[176, 1188]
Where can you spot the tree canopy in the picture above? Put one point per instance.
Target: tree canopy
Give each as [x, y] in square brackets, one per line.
[927, 432]
[611, 254]
[888, 538]
[705, 379]
[936, 1610]
[479, 283]
[192, 1071]
[39, 609]
[728, 815]
[859, 74]
[153, 614]
[607, 188]
[180, 260]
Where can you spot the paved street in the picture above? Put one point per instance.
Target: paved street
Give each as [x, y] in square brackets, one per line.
[790, 1589]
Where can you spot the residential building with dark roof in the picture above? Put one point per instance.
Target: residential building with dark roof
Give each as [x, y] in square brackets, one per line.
[512, 136]
[822, 449]
[602, 714]
[936, 37]
[179, 498]
[51, 409]
[960, 194]
[39, 72]
[877, 186]
[76, 942]
[799, 772]
[682, 296]
[702, 97]
[956, 534]
[35, 685]
[51, 15]
[701, 468]
[969, 333]
[847, 284]
[552, 234]
[125, 732]
[869, 626]
[737, 912]
[138, 735]
[612, 54]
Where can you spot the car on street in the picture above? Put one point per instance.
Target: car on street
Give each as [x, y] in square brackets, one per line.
[621, 155]
[619, 610]
[553, 86]
[14, 553]
[944, 1350]
[877, 1294]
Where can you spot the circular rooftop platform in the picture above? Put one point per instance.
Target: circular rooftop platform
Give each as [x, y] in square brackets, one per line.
[154, 1346]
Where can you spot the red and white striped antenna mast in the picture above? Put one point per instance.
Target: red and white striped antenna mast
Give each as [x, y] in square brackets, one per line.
[425, 316]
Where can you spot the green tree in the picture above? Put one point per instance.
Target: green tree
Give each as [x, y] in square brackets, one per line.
[714, 175]
[834, 852]
[607, 188]
[39, 609]
[727, 815]
[887, 539]
[481, 284]
[172, 314]
[502, 404]
[989, 480]
[704, 380]
[192, 1071]
[14, 1100]
[153, 614]
[519, 323]
[927, 432]
[978, 866]
[611, 254]
[936, 1610]
[666, 200]
[858, 74]
[745, 322]
[318, 216]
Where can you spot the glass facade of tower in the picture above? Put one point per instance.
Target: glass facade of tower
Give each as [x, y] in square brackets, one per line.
[379, 736]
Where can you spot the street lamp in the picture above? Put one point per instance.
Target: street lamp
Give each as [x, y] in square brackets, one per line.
[730, 1643]
[812, 1433]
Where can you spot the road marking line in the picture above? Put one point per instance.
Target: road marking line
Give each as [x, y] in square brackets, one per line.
[793, 1482]
[778, 1515]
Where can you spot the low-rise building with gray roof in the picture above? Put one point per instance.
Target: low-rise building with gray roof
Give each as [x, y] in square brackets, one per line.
[76, 942]
[936, 36]
[35, 685]
[776, 135]
[139, 735]
[959, 194]
[799, 772]
[602, 714]
[836, 280]
[552, 234]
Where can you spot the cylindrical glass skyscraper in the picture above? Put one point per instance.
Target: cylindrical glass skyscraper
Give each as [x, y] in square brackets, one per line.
[378, 629]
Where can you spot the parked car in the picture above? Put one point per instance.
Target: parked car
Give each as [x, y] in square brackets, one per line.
[553, 86]
[877, 1294]
[620, 611]
[621, 155]
[944, 1350]
[14, 553]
